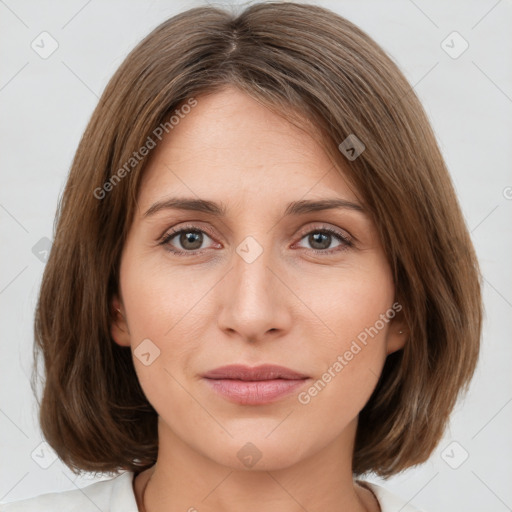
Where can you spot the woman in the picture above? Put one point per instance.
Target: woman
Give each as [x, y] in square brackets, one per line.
[261, 285]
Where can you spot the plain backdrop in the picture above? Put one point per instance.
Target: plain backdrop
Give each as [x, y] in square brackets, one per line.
[45, 104]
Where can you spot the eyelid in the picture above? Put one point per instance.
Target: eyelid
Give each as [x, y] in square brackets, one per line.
[343, 233]
[192, 226]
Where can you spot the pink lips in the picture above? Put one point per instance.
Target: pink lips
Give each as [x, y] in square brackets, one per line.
[254, 386]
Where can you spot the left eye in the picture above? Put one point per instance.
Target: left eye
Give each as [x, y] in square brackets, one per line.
[321, 239]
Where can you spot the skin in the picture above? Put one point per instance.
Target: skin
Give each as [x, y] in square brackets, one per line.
[290, 307]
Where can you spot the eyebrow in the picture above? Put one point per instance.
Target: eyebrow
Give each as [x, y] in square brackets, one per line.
[218, 209]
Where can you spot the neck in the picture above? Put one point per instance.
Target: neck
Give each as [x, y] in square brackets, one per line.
[185, 479]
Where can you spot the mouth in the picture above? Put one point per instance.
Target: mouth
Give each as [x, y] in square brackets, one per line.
[254, 386]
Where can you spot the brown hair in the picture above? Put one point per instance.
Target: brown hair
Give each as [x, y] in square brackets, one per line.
[303, 62]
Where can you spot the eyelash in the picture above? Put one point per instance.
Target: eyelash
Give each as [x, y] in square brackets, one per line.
[346, 243]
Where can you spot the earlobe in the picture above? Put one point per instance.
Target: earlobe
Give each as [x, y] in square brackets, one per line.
[118, 325]
[398, 331]
[396, 339]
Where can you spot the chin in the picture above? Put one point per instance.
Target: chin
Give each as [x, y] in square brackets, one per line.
[257, 453]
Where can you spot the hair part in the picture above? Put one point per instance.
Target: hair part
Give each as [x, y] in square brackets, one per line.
[325, 74]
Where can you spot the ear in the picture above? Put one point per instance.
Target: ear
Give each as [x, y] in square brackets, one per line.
[118, 325]
[397, 334]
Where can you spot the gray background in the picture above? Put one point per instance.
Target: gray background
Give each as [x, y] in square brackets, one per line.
[45, 104]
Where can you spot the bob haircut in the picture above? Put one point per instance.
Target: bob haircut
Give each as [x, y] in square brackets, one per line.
[318, 70]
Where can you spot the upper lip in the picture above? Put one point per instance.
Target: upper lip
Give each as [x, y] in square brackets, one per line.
[262, 372]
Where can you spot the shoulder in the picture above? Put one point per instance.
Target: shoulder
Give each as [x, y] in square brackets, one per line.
[114, 495]
[388, 501]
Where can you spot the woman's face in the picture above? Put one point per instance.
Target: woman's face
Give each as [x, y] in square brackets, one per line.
[262, 284]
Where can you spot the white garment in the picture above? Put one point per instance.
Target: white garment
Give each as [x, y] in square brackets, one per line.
[116, 495]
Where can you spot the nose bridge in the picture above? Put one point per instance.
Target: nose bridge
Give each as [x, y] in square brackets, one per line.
[253, 281]
[253, 303]
[251, 265]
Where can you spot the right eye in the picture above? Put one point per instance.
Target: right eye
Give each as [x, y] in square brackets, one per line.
[190, 238]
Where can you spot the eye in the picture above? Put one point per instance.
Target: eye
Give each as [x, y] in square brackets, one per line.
[190, 238]
[320, 239]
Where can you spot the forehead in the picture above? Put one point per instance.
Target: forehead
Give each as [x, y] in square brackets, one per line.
[230, 146]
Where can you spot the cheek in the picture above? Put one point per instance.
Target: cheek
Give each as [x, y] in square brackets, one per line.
[348, 371]
[166, 310]
[351, 301]
[357, 309]
[158, 298]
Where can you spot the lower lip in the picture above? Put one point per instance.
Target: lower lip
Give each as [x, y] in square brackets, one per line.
[254, 392]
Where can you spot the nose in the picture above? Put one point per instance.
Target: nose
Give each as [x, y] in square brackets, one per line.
[255, 302]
